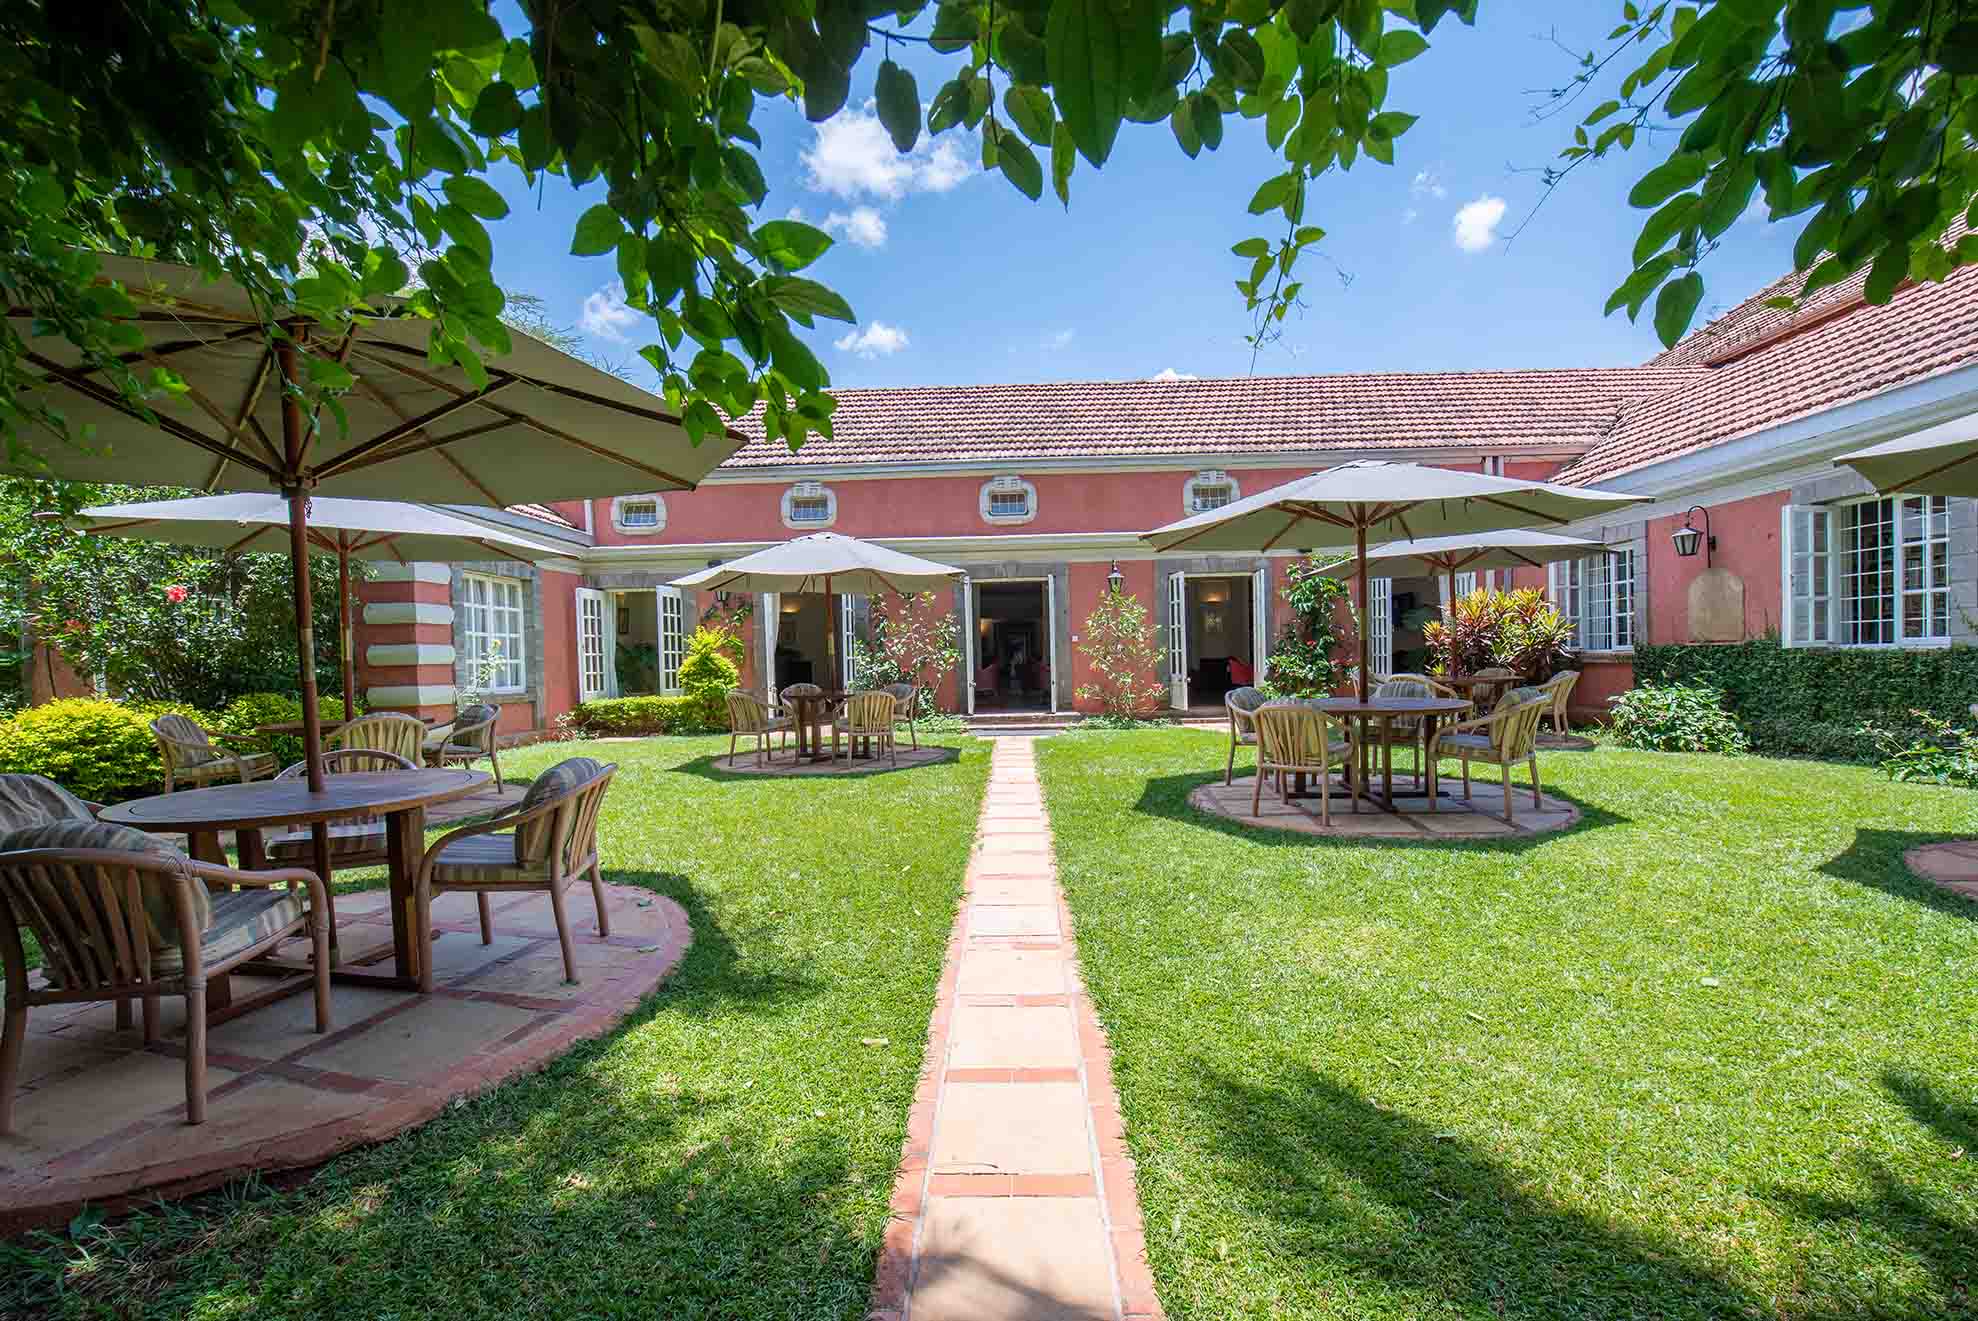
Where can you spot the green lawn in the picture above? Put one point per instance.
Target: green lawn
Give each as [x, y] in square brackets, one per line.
[728, 1153]
[1711, 1053]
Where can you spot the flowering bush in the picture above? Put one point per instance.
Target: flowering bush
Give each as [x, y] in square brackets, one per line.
[1302, 661]
[1116, 644]
[1676, 717]
[919, 637]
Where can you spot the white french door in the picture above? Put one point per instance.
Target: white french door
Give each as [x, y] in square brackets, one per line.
[1051, 641]
[1178, 641]
[1380, 628]
[593, 660]
[848, 631]
[968, 645]
[1260, 621]
[672, 636]
[768, 613]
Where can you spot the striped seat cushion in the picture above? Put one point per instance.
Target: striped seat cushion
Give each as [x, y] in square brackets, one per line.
[157, 895]
[345, 842]
[240, 918]
[532, 837]
[1470, 742]
[33, 800]
[483, 858]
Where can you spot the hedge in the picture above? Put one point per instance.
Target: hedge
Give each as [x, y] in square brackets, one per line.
[621, 717]
[95, 748]
[1812, 701]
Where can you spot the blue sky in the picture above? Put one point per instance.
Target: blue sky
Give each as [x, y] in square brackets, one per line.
[957, 278]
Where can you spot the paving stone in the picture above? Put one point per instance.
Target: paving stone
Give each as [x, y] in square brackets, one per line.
[1012, 920]
[991, 971]
[991, 1037]
[1010, 1259]
[80, 1109]
[435, 1034]
[1034, 1128]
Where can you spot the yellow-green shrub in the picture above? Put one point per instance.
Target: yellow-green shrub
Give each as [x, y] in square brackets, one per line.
[93, 747]
[246, 712]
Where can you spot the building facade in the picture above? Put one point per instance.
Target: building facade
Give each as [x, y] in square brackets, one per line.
[1039, 492]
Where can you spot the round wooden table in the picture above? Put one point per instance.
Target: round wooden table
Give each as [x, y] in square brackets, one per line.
[810, 713]
[400, 797]
[1382, 711]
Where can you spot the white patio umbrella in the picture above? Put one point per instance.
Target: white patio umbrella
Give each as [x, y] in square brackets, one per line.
[829, 563]
[1407, 500]
[1448, 556]
[1934, 461]
[542, 426]
[348, 529]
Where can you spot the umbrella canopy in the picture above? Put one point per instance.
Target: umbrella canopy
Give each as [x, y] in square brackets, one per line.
[1407, 500]
[1448, 556]
[1934, 461]
[543, 426]
[348, 529]
[825, 562]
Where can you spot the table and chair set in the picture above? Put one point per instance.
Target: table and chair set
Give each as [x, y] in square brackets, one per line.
[1303, 741]
[120, 913]
[860, 723]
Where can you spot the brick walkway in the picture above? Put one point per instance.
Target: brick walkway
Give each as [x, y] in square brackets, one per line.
[1015, 1197]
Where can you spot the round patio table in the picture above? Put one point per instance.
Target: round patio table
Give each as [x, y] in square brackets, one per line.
[1382, 711]
[400, 797]
[810, 713]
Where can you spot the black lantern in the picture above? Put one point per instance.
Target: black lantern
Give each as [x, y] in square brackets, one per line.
[1687, 538]
[721, 595]
[1116, 580]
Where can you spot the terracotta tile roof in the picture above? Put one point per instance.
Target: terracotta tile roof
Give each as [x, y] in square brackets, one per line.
[542, 513]
[1223, 416]
[1847, 355]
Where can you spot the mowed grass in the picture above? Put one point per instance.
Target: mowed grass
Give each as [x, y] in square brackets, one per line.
[728, 1153]
[1713, 1053]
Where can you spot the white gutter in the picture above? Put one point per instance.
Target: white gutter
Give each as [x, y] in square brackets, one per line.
[1069, 547]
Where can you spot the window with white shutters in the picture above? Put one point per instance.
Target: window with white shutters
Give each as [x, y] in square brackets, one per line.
[493, 630]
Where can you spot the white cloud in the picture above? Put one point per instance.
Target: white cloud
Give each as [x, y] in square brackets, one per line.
[877, 340]
[862, 225]
[1170, 374]
[1060, 339]
[1428, 184]
[853, 157]
[606, 315]
[1476, 223]
[1409, 215]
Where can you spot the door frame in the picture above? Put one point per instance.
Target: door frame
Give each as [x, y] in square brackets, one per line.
[1259, 580]
[1050, 622]
[587, 596]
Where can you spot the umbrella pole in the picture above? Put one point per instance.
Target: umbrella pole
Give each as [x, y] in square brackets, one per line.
[831, 666]
[293, 438]
[348, 643]
[1366, 624]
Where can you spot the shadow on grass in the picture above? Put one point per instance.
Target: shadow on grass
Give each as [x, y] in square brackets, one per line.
[714, 977]
[712, 768]
[1167, 796]
[1358, 1192]
[1875, 859]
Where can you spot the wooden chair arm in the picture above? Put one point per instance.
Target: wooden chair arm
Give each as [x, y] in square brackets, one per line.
[254, 742]
[207, 871]
[493, 825]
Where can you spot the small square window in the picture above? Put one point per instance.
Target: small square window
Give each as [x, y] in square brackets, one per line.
[810, 509]
[639, 513]
[1212, 495]
[1009, 504]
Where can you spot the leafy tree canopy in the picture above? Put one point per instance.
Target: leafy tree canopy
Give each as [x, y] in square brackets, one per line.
[329, 152]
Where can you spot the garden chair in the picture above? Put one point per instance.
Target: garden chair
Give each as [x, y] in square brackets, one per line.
[1492, 695]
[547, 841]
[906, 708]
[122, 915]
[35, 800]
[190, 756]
[354, 841]
[868, 716]
[1503, 738]
[1401, 730]
[749, 718]
[395, 732]
[1561, 686]
[1437, 688]
[1242, 704]
[1293, 739]
[469, 738]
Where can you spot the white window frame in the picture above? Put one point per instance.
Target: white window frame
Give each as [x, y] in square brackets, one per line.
[670, 624]
[618, 522]
[1826, 582]
[480, 617]
[809, 491]
[1003, 486]
[1208, 477]
[1608, 583]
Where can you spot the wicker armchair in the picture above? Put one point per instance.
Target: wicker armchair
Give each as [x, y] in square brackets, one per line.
[1503, 738]
[868, 716]
[395, 732]
[1293, 739]
[354, 841]
[469, 738]
[906, 708]
[1401, 731]
[121, 915]
[749, 718]
[191, 758]
[1505, 679]
[1561, 687]
[35, 800]
[1242, 704]
[548, 840]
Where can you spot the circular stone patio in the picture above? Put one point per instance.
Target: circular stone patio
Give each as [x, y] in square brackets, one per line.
[744, 763]
[100, 1117]
[1454, 819]
[1951, 865]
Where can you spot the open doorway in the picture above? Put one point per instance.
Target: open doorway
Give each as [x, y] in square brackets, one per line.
[1221, 625]
[802, 635]
[1013, 652]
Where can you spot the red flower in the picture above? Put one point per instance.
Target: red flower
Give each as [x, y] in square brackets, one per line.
[176, 593]
[73, 625]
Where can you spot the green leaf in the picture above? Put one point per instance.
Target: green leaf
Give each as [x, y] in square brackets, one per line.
[632, 265]
[950, 104]
[794, 294]
[1390, 124]
[899, 105]
[1084, 45]
[1064, 159]
[792, 244]
[475, 195]
[1400, 46]
[1675, 306]
[498, 111]
[518, 67]
[1664, 225]
[670, 269]
[1251, 248]
[1681, 171]
[1278, 123]
[1208, 119]
[1029, 108]
[1019, 164]
[1272, 193]
[1182, 121]
[1891, 266]
[597, 232]
[1243, 57]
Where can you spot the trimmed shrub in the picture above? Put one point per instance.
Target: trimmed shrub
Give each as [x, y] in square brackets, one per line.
[708, 674]
[621, 717]
[1675, 717]
[252, 709]
[1814, 701]
[94, 748]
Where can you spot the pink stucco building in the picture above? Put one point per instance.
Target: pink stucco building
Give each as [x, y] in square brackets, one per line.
[1038, 491]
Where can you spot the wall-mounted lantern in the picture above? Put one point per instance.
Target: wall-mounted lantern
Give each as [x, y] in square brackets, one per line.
[1687, 538]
